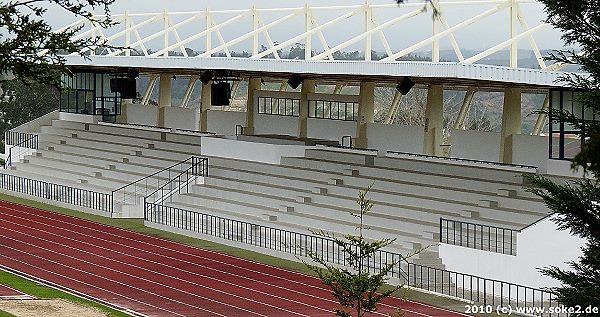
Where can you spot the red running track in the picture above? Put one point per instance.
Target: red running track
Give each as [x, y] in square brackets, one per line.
[157, 277]
[7, 292]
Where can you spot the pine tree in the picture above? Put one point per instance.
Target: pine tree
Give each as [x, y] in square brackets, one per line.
[29, 48]
[576, 205]
[354, 286]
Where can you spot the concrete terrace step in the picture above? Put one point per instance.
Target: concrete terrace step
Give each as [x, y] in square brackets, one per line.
[277, 223]
[289, 222]
[126, 138]
[406, 175]
[56, 180]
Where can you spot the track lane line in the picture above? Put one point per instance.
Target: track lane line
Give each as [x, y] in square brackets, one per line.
[23, 263]
[59, 264]
[55, 217]
[167, 276]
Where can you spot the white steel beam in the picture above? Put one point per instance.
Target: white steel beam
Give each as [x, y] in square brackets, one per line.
[188, 92]
[366, 34]
[149, 89]
[504, 44]
[457, 27]
[391, 115]
[542, 117]
[464, 109]
[245, 36]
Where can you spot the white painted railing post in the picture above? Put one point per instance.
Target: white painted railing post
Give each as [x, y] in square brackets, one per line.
[127, 34]
[307, 28]
[514, 47]
[166, 34]
[368, 26]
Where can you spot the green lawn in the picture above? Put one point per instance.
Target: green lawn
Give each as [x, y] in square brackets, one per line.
[5, 314]
[137, 225]
[42, 291]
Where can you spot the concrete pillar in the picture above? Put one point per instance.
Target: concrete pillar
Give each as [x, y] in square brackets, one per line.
[366, 113]
[308, 87]
[164, 97]
[205, 104]
[251, 105]
[434, 121]
[511, 122]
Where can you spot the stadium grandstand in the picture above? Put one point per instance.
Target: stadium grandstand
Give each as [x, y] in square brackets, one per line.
[292, 161]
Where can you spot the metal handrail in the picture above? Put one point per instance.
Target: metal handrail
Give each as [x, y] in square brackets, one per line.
[470, 287]
[456, 159]
[57, 192]
[144, 184]
[29, 143]
[478, 236]
[198, 167]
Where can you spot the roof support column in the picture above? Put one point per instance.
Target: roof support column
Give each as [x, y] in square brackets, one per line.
[366, 113]
[308, 87]
[464, 109]
[252, 104]
[188, 91]
[164, 97]
[434, 121]
[205, 105]
[511, 122]
[391, 115]
[542, 117]
[149, 89]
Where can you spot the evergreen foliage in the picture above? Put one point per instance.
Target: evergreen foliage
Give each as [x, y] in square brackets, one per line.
[354, 286]
[30, 50]
[576, 205]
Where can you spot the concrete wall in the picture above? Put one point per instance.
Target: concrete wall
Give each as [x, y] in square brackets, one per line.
[223, 122]
[251, 151]
[274, 124]
[394, 137]
[538, 246]
[181, 118]
[476, 145]
[142, 114]
[530, 150]
[86, 118]
[330, 129]
[33, 126]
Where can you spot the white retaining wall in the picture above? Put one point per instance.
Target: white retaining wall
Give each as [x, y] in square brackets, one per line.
[274, 124]
[33, 126]
[250, 151]
[85, 118]
[142, 114]
[223, 122]
[538, 246]
[330, 129]
[476, 145]
[530, 150]
[395, 137]
[181, 118]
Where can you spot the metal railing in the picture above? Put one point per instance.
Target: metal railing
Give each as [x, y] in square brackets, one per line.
[180, 182]
[134, 192]
[19, 150]
[478, 236]
[456, 159]
[480, 290]
[14, 138]
[56, 192]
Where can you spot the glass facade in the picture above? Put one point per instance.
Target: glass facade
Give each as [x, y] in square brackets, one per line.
[565, 139]
[90, 93]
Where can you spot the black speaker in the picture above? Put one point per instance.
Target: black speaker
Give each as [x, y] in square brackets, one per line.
[125, 86]
[405, 85]
[128, 88]
[295, 81]
[206, 77]
[220, 93]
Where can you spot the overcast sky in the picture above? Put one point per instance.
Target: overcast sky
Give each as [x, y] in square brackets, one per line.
[481, 35]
